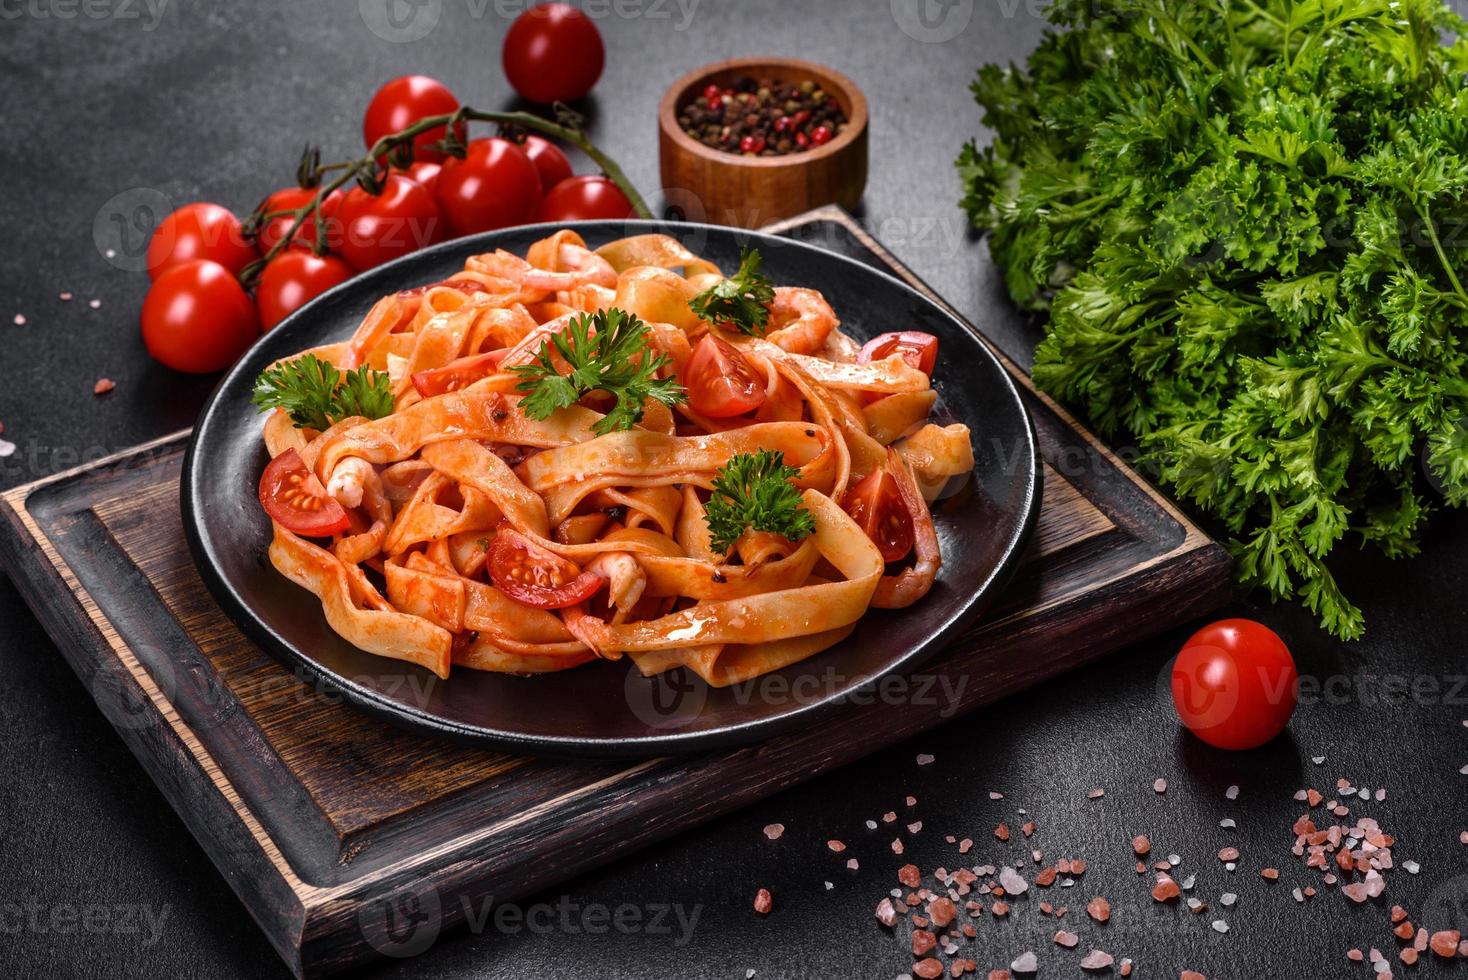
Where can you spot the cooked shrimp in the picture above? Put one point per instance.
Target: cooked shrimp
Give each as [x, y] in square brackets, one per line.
[579, 267]
[625, 577]
[349, 481]
[800, 320]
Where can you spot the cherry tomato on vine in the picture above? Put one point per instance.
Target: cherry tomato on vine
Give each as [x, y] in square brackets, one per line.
[294, 277]
[917, 348]
[292, 199]
[535, 576]
[198, 318]
[553, 53]
[721, 382]
[585, 198]
[876, 505]
[199, 231]
[549, 161]
[401, 103]
[1234, 684]
[293, 496]
[377, 229]
[424, 172]
[494, 186]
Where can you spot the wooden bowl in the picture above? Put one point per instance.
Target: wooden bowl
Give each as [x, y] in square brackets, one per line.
[751, 191]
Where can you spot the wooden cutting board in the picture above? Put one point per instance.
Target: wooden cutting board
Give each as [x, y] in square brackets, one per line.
[347, 838]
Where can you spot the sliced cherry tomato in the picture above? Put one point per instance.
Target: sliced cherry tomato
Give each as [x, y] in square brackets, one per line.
[494, 186]
[199, 231]
[721, 382]
[459, 374]
[377, 229]
[294, 277]
[876, 505]
[584, 198]
[917, 348]
[1234, 684]
[553, 53]
[549, 161]
[292, 199]
[295, 498]
[198, 318]
[530, 574]
[425, 172]
[402, 102]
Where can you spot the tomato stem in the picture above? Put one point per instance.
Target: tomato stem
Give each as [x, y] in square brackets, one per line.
[367, 166]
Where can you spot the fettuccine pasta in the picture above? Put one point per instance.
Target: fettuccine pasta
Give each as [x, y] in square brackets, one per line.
[461, 509]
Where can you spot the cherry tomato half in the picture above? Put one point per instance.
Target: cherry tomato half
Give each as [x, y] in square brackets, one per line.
[549, 161]
[293, 497]
[917, 348]
[402, 102]
[292, 199]
[199, 231]
[377, 229]
[553, 53]
[458, 374]
[530, 574]
[1234, 684]
[585, 198]
[197, 318]
[294, 277]
[721, 382]
[876, 505]
[494, 186]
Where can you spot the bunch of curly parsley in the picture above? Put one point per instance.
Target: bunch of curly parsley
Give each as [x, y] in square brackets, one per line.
[1246, 221]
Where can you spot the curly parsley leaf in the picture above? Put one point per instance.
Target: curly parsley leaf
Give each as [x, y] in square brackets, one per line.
[1241, 221]
[741, 299]
[605, 351]
[316, 395]
[753, 491]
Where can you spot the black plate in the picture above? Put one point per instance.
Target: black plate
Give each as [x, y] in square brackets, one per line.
[608, 709]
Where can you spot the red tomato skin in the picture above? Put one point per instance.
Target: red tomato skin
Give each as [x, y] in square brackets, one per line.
[293, 496]
[585, 198]
[553, 53]
[494, 186]
[721, 382]
[549, 161]
[457, 375]
[424, 172]
[1234, 684]
[401, 103]
[917, 348]
[400, 220]
[292, 279]
[198, 319]
[290, 199]
[199, 231]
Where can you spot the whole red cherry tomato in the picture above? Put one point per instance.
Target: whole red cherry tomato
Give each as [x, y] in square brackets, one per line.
[292, 199]
[494, 186]
[378, 228]
[583, 199]
[197, 318]
[553, 53]
[425, 172]
[402, 102]
[1234, 684]
[199, 231]
[549, 161]
[292, 278]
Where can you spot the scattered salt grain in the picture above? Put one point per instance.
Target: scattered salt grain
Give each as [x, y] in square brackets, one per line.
[828, 885]
[836, 846]
[1220, 926]
[763, 902]
[1096, 794]
[1232, 793]
[1026, 962]
[915, 827]
[995, 796]
[1066, 939]
[1011, 881]
[6, 448]
[20, 319]
[1412, 867]
[1227, 823]
[774, 830]
[1096, 960]
[1228, 898]
[103, 386]
[1319, 760]
[65, 297]
[871, 825]
[95, 304]
[1160, 786]
[924, 759]
[852, 863]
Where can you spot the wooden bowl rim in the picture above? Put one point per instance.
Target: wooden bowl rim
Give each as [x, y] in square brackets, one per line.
[856, 124]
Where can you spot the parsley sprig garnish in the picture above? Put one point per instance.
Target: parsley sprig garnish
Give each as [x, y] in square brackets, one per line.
[740, 299]
[316, 395]
[606, 351]
[753, 490]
